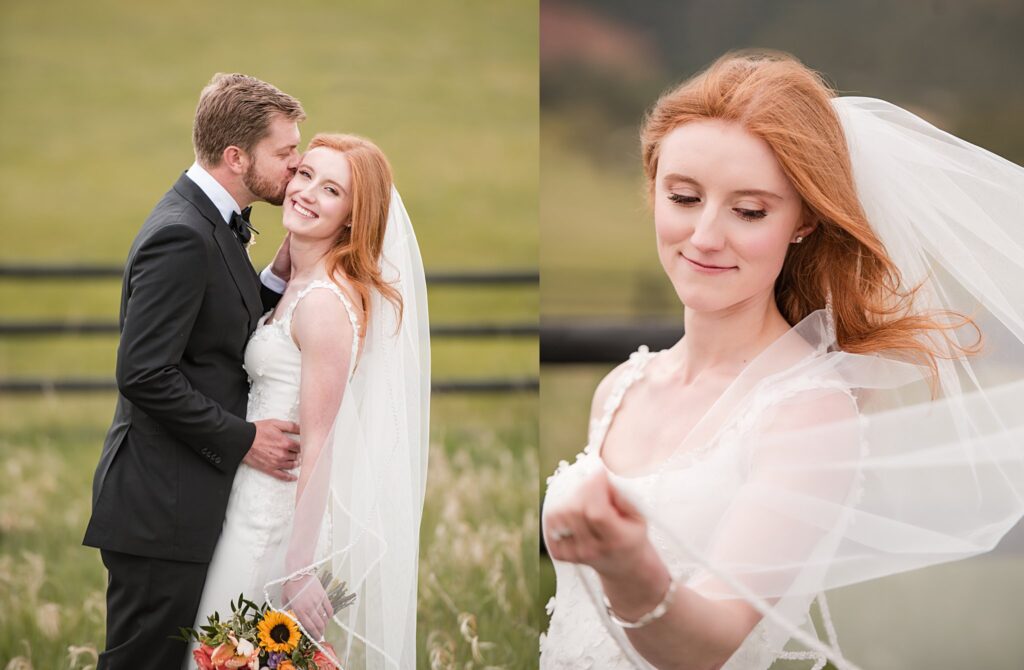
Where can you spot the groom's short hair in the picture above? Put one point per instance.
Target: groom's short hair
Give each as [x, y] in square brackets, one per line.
[236, 110]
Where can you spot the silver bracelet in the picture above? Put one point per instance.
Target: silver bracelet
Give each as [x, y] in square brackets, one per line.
[656, 613]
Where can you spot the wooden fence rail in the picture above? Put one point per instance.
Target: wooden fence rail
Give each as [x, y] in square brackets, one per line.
[88, 271]
[34, 328]
[463, 278]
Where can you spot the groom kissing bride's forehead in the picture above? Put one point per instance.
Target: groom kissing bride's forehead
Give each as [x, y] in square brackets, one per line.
[190, 301]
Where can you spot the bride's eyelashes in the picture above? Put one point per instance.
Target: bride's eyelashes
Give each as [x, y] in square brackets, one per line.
[306, 174]
[751, 214]
[742, 212]
[683, 199]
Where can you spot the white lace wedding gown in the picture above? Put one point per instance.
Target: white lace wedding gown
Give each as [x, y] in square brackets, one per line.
[577, 637]
[260, 507]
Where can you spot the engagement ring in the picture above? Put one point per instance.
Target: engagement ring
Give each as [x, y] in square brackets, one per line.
[560, 534]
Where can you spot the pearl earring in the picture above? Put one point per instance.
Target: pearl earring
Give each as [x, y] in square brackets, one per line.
[799, 239]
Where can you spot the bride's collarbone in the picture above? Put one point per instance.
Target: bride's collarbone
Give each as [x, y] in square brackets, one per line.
[653, 421]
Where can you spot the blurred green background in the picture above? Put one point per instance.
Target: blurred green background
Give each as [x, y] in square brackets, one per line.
[96, 109]
[603, 63]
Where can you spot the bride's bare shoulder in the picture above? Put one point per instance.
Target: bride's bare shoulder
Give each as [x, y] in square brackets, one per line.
[321, 314]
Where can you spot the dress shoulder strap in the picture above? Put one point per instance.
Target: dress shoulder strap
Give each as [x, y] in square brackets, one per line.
[631, 373]
[353, 317]
[336, 290]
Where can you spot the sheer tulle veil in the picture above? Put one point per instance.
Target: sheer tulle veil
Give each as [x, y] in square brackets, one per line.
[860, 466]
[357, 521]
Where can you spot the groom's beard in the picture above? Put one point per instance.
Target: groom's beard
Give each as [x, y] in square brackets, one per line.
[263, 188]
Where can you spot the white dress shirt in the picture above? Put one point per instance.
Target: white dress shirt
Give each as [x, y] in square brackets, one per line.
[226, 205]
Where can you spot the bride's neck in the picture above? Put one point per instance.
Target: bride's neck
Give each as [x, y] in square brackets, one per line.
[308, 258]
[726, 340]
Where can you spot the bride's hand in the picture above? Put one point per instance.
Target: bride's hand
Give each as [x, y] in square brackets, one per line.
[306, 597]
[282, 263]
[598, 527]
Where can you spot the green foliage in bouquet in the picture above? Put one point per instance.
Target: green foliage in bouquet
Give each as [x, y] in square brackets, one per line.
[257, 636]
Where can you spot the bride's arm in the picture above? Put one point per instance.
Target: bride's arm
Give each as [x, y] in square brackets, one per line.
[610, 535]
[323, 333]
[703, 627]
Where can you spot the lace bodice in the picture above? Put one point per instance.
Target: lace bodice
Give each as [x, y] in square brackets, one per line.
[701, 494]
[273, 361]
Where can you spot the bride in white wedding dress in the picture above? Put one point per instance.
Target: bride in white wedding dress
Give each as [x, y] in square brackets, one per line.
[830, 415]
[345, 355]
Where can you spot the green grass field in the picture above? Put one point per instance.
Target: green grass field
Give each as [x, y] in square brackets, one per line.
[96, 113]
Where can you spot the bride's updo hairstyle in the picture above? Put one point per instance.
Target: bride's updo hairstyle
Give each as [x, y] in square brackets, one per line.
[778, 99]
[356, 253]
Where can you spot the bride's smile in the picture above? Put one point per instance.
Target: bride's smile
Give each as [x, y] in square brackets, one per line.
[707, 267]
[304, 212]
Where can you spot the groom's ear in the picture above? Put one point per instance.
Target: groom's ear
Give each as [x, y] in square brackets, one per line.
[235, 159]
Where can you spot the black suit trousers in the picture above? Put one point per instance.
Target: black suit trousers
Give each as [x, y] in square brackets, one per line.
[148, 600]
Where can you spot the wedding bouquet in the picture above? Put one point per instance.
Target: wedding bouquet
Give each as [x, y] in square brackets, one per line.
[256, 637]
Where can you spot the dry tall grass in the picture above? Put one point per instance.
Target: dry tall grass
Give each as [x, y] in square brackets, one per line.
[478, 560]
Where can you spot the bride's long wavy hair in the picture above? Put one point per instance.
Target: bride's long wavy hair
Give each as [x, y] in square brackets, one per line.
[357, 250]
[778, 99]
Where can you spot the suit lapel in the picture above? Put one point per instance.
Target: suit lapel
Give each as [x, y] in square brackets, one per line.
[241, 269]
[235, 257]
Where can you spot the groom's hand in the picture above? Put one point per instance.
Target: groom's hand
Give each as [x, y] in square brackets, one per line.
[273, 452]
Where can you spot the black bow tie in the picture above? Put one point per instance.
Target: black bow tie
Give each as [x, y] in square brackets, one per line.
[241, 227]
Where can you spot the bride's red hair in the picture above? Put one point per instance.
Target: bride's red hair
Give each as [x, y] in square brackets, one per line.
[357, 251]
[777, 98]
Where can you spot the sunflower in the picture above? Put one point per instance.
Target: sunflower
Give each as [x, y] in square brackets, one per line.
[278, 632]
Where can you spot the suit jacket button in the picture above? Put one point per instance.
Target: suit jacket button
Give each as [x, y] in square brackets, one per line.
[216, 459]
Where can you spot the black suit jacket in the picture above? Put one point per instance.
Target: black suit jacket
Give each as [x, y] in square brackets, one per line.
[189, 301]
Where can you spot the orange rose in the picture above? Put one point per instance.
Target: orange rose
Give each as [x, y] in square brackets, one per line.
[286, 665]
[222, 654]
[322, 661]
[202, 657]
[226, 655]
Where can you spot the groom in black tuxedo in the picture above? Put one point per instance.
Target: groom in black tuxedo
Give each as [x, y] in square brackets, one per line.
[190, 300]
